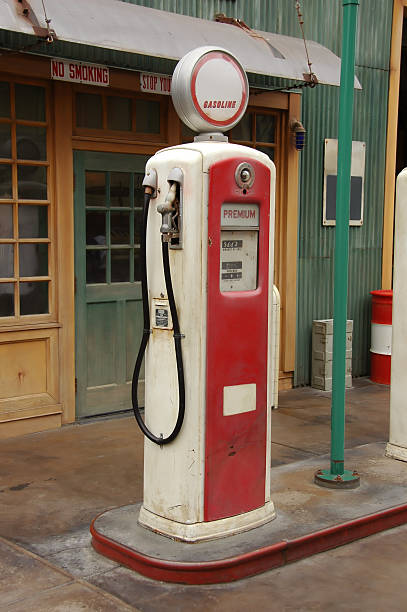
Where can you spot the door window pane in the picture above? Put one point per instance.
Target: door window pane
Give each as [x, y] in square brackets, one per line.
[5, 140]
[120, 265]
[96, 228]
[119, 189]
[6, 299]
[6, 221]
[138, 225]
[95, 188]
[89, 111]
[6, 188]
[268, 151]
[30, 102]
[265, 128]
[32, 221]
[187, 134]
[96, 266]
[138, 190]
[34, 259]
[34, 297]
[31, 142]
[6, 260]
[120, 228]
[147, 116]
[118, 113]
[137, 264]
[32, 182]
[4, 99]
[243, 130]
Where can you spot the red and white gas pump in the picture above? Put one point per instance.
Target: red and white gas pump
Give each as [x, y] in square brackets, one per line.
[209, 217]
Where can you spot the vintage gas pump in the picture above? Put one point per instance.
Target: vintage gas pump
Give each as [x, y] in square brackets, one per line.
[207, 293]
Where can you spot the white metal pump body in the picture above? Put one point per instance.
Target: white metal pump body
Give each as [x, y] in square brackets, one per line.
[174, 474]
[397, 445]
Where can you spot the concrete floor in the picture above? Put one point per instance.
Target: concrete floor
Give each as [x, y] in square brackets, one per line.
[54, 483]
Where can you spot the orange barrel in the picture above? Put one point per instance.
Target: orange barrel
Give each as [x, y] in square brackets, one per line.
[380, 346]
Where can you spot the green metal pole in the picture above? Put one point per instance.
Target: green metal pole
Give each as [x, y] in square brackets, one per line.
[337, 476]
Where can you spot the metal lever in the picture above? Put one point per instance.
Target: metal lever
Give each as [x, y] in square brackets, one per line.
[168, 210]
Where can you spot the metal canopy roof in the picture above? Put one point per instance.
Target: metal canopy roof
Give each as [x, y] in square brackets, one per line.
[124, 27]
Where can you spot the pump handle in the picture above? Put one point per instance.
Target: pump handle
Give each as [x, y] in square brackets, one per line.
[147, 331]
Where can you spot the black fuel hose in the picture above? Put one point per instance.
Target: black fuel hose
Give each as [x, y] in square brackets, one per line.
[146, 335]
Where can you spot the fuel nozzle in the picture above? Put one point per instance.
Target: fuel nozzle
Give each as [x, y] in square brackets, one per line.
[150, 182]
[169, 212]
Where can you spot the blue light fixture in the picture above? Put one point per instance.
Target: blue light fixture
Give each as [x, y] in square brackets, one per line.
[298, 134]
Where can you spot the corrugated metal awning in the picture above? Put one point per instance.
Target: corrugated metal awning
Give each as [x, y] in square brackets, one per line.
[125, 27]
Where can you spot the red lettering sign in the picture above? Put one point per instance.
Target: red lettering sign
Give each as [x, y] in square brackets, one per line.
[242, 215]
[79, 72]
[57, 69]
[155, 83]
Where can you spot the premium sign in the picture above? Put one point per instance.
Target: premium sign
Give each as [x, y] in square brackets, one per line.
[246, 215]
[155, 83]
[78, 72]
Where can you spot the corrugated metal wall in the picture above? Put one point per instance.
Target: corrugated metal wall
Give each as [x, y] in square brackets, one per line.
[316, 243]
[322, 22]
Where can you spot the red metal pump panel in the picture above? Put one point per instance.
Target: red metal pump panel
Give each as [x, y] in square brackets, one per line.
[237, 337]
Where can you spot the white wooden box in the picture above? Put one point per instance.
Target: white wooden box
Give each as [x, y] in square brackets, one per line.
[322, 354]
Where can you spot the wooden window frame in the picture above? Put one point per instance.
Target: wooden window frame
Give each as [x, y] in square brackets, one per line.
[123, 135]
[18, 320]
[279, 156]
[254, 111]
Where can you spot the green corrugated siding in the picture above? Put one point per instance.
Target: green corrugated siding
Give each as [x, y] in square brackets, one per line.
[316, 242]
[323, 23]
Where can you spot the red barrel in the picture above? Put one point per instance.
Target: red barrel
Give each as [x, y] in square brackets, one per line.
[380, 346]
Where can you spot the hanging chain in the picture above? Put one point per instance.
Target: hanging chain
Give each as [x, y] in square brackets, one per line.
[312, 77]
[50, 37]
[41, 38]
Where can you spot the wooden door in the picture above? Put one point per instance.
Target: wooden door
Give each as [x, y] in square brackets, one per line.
[108, 309]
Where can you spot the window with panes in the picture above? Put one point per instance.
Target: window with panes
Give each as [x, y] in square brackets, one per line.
[114, 200]
[114, 204]
[257, 129]
[119, 116]
[260, 130]
[25, 219]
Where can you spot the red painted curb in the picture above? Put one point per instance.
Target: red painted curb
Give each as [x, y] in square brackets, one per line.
[253, 562]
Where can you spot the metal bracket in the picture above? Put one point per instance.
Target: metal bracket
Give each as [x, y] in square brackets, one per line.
[24, 9]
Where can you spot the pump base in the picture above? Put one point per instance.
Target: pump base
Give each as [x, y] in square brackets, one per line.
[116, 535]
[347, 480]
[396, 452]
[198, 532]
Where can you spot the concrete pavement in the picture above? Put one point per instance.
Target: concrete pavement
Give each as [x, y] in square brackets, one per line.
[53, 484]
